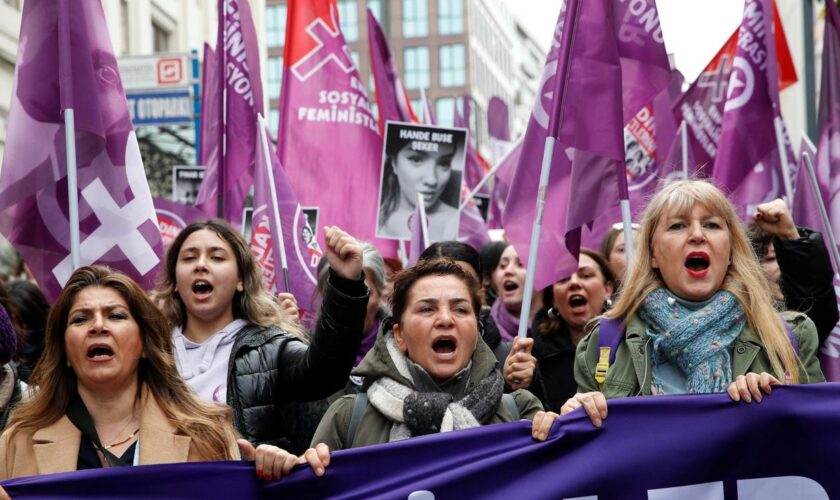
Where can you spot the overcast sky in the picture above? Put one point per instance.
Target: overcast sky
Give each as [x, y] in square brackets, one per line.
[694, 29]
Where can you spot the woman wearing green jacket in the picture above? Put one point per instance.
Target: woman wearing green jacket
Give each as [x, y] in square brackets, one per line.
[696, 313]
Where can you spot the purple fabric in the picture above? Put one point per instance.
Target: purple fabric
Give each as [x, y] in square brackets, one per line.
[498, 119]
[302, 256]
[210, 117]
[747, 162]
[502, 182]
[506, 321]
[368, 339]
[472, 229]
[787, 445]
[611, 74]
[474, 171]
[117, 218]
[173, 217]
[8, 337]
[417, 243]
[328, 138]
[805, 209]
[233, 174]
[391, 99]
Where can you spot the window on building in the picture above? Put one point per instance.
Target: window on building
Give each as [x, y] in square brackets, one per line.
[275, 77]
[273, 122]
[416, 63]
[450, 17]
[452, 65]
[348, 17]
[275, 25]
[161, 38]
[376, 7]
[415, 20]
[445, 111]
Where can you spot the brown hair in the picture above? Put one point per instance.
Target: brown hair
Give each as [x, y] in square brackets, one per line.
[254, 303]
[435, 267]
[157, 371]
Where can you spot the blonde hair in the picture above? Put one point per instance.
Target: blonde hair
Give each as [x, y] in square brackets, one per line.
[208, 425]
[254, 304]
[744, 278]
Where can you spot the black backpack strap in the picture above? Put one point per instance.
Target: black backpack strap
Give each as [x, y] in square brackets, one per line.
[510, 405]
[359, 405]
[78, 413]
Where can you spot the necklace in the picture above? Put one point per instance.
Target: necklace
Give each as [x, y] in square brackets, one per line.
[117, 443]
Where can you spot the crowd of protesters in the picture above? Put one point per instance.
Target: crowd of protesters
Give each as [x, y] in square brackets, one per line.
[212, 366]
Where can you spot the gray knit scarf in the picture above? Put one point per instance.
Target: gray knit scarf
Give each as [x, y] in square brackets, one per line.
[418, 413]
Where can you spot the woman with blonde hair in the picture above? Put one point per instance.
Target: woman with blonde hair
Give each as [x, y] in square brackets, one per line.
[109, 393]
[234, 344]
[695, 314]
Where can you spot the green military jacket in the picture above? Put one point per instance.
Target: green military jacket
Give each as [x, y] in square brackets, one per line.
[375, 428]
[631, 372]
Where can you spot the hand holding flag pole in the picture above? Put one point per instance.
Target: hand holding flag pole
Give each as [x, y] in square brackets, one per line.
[275, 211]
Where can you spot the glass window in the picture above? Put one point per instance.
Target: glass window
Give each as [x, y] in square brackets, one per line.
[275, 25]
[445, 111]
[273, 122]
[416, 63]
[376, 7]
[275, 76]
[348, 17]
[450, 17]
[415, 20]
[452, 66]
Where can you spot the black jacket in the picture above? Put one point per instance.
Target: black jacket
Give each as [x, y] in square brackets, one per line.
[554, 378]
[270, 371]
[807, 279]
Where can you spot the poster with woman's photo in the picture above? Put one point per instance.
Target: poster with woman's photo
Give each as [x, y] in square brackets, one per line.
[309, 233]
[186, 181]
[424, 161]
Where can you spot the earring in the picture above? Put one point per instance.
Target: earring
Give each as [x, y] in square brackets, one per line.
[553, 313]
[609, 303]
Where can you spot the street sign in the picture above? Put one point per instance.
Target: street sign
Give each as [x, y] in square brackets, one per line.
[155, 72]
[157, 108]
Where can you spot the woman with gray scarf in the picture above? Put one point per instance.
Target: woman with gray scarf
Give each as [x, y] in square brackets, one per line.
[429, 370]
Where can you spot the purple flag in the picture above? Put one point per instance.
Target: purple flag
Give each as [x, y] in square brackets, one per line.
[784, 448]
[232, 176]
[747, 162]
[117, 218]
[474, 170]
[293, 232]
[210, 118]
[391, 99]
[611, 64]
[173, 217]
[805, 208]
[328, 138]
[498, 127]
[419, 240]
[827, 164]
[502, 182]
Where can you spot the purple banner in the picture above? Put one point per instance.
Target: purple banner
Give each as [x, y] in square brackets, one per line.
[210, 117]
[329, 140]
[664, 447]
[391, 99]
[173, 217]
[294, 233]
[232, 176]
[117, 218]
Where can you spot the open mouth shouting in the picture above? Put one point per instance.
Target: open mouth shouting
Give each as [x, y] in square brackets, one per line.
[100, 352]
[510, 286]
[202, 289]
[445, 347]
[697, 264]
[578, 303]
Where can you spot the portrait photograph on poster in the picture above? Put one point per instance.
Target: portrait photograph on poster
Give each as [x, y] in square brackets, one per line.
[425, 161]
[186, 181]
[309, 233]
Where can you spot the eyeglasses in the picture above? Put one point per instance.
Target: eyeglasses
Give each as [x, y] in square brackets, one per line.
[620, 225]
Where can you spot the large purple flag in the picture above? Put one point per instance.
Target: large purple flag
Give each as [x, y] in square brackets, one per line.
[328, 139]
[611, 64]
[503, 179]
[747, 162]
[827, 164]
[293, 232]
[805, 208]
[391, 99]
[210, 118]
[117, 218]
[661, 448]
[240, 100]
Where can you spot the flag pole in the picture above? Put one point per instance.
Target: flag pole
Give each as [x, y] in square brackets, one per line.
[221, 51]
[427, 119]
[815, 187]
[557, 104]
[66, 89]
[275, 210]
[684, 137]
[424, 226]
[780, 142]
[488, 176]
[402, 254]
